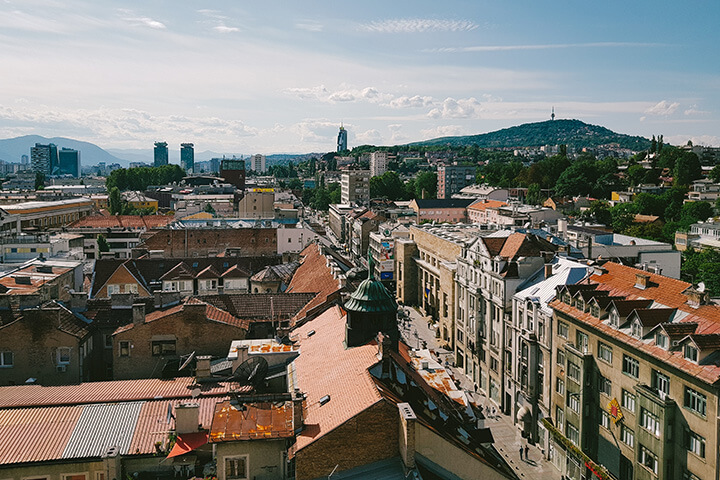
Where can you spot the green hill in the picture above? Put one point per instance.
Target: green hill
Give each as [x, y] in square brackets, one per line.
[573, 133]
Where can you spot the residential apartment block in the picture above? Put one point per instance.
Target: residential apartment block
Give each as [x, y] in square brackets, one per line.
[355, 187]
[453, 178]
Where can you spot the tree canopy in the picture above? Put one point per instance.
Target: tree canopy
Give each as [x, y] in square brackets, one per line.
[142, 177]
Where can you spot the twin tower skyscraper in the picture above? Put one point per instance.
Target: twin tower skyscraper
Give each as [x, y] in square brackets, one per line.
[187, 155]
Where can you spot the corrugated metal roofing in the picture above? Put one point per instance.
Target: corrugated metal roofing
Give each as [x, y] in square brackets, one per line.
[101, 427]
[35, 434]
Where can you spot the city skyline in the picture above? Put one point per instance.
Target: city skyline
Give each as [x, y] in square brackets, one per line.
[283, 78]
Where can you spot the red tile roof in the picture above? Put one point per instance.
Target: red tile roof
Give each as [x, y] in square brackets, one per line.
[313, 276]
[481, 205]
[145, 222]
[326, 367]
[212, 313]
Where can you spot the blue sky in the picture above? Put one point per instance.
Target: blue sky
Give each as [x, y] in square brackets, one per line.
[280, 76]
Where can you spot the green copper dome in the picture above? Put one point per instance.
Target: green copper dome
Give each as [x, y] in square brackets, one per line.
[371, 296]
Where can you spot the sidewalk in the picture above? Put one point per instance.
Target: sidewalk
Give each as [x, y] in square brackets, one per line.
[507, 436]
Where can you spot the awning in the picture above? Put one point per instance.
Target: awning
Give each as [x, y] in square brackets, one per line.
[187, 442]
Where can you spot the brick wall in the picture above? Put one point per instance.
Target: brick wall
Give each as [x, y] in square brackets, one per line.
[193, 332]
[368, 437]
[210, 242]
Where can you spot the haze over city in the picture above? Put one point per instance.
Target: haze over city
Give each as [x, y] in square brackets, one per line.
[282, 77]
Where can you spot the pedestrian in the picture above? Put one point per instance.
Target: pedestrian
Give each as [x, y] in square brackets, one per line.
[521, 452]
[494, 412]
[527, 449]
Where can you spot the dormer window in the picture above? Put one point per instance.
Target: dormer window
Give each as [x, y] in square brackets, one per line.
[595, 310]
[580, 305]
[661, 340]
[690, 352]
[636, 329]
[566, 298]
[614, 318]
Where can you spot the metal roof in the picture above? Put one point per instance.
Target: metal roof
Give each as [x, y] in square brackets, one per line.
[101, 427]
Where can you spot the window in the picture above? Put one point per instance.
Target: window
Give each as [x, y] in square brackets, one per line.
[563, 329]
[628, 401]
[605, 419]
[690, 353]
[561, 358]
[604, 352]
[648, 460]
[6, 359]
[163, 347]
[636, 329]
[661, 383]
[650, 422]
[107, 340]
[631, 366]
[236, 468]
[111, 289]
[573, 371]
[560, 386]
[695, 401]
[493, 364]
[124, 349]
[605, 385]
[74, 476]
[581, 341]
[595, 310]
[573, 434]
[614, 318]
[661, 340]
[689, 476]
[131, 288]
[573, 402]
[560, 418]
[63, 355]
[695, 444]
[627, 436]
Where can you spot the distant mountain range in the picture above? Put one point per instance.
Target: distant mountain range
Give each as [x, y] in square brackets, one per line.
[12, 149]
[552, 132]
[573, 133]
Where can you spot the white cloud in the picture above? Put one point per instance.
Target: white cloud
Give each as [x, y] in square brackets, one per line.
[443, 131]
[309, 25]
[139, 21]
[415, 101]
[315, 131]
[343, 95]
[693, 110]
[225, 29]
[663, 108]
[705, 140]
[418, 25]
[462, 108]
[369, 137]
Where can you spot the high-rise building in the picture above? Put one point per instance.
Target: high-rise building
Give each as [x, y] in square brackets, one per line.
[233, 171]
[44, 158]
[378, 163]
[69, 162]
[187, 157]
[355, 187]
[342, 140]
[161, 154]
[24, 160]
[453, 178]
[258, 163]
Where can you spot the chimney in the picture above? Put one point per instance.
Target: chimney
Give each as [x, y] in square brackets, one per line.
[29, 301]
[642, 281]
[202, 367]
[164, 299]
[187, 417]
[298, 399]
[78, 301]
[122, 300]
[407, 435]
[138, 313]
[111, 462]
[548, 270]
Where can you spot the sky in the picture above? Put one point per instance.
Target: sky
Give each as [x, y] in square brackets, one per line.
[282, 76]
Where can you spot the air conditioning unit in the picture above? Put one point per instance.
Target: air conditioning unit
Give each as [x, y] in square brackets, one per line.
[61, 368]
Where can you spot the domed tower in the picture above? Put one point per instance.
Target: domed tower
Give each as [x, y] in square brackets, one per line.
[370, 309]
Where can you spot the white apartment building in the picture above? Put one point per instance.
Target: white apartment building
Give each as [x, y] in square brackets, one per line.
[378, 163]
[257, 163]
[355, 187]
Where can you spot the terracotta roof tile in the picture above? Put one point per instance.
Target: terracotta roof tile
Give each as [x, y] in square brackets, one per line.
[313, 276]
[212, 313]
[326, 367]
[260, 305]
[258, 421]
[144, 222]
[482, 205]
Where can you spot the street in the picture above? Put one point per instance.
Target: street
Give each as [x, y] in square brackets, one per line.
[418, 333]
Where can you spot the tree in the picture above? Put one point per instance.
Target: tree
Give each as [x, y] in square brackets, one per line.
[534, 197]
[209, 209]
[295, 184]
[635, 174]
[687, 169]
[102, 244]
[115, 200]
[694, 212]
[653, 145]
[426, 182]
[715, 174]
[39, 181]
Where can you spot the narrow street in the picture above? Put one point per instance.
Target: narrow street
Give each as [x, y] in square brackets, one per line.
[417, 333]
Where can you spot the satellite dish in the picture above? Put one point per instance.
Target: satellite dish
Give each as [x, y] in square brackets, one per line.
[195, 392]
[251, 372]
[187, 361]
[701, 287]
